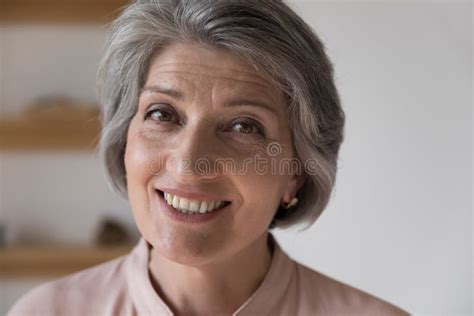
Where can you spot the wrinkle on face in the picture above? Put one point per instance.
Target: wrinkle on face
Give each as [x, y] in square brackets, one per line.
[200, 85]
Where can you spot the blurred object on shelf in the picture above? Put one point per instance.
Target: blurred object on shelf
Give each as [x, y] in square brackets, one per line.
[50, 261]
[60, 11]
[52, 123]
[57, 107]
[112, 233]
[35, 256]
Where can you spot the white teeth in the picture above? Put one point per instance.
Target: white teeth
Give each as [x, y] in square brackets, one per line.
[203, 208]
[175, 202]
[194, 206]
[183, 204]
[210, 207]
[191, 206]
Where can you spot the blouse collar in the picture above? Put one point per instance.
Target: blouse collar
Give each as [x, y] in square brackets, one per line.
[148, 302]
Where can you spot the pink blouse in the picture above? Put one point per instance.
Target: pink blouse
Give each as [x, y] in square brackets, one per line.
[123, 287]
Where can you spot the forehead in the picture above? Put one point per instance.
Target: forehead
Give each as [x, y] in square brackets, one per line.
[200, 64]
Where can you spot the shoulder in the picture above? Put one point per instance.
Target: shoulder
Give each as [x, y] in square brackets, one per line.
[86, 290]
[333, 297]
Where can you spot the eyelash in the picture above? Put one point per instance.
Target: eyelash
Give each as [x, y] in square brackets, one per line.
[151, 111]
[259, 128]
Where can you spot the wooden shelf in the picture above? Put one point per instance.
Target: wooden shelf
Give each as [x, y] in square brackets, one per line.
[51, 128]
[27, 135]
[57, 261]
[60, 11]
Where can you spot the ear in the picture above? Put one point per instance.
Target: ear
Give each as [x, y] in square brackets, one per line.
[293, 187]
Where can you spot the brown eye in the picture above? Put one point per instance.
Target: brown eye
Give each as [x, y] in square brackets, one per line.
[245, 128]
[160, 115]
[248, 127]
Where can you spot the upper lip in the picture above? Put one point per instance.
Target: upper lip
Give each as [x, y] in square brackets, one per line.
[194, 195]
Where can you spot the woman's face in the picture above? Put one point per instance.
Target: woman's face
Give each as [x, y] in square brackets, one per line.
[207, 107]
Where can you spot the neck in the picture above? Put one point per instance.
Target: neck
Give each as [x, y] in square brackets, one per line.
[215, 288]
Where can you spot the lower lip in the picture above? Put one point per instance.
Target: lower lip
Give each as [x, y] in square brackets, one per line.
[187, 217]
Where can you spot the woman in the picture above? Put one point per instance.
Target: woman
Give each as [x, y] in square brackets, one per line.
[220, 121]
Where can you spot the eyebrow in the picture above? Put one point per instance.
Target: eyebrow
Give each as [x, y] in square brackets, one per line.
[168, 91]
[236, 102]
[254, 103]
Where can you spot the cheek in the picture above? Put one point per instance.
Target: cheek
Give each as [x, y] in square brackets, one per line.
[262, 193]
[141, 165]
[262, 190]
[142, 159]
[136, 161]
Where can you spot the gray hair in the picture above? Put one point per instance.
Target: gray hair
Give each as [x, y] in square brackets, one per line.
[266, 33]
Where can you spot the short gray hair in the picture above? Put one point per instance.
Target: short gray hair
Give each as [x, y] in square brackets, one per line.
[266, 33]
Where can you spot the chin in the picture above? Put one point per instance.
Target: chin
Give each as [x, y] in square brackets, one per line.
[189, 248]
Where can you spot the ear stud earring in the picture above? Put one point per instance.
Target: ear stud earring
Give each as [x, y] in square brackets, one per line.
[293, 202]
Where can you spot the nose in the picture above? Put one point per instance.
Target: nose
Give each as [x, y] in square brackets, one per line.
[193, 156]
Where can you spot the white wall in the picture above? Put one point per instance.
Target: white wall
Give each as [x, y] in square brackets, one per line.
[399, 223]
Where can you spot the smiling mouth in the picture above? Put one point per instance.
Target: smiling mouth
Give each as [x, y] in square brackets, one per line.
[193, 207]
